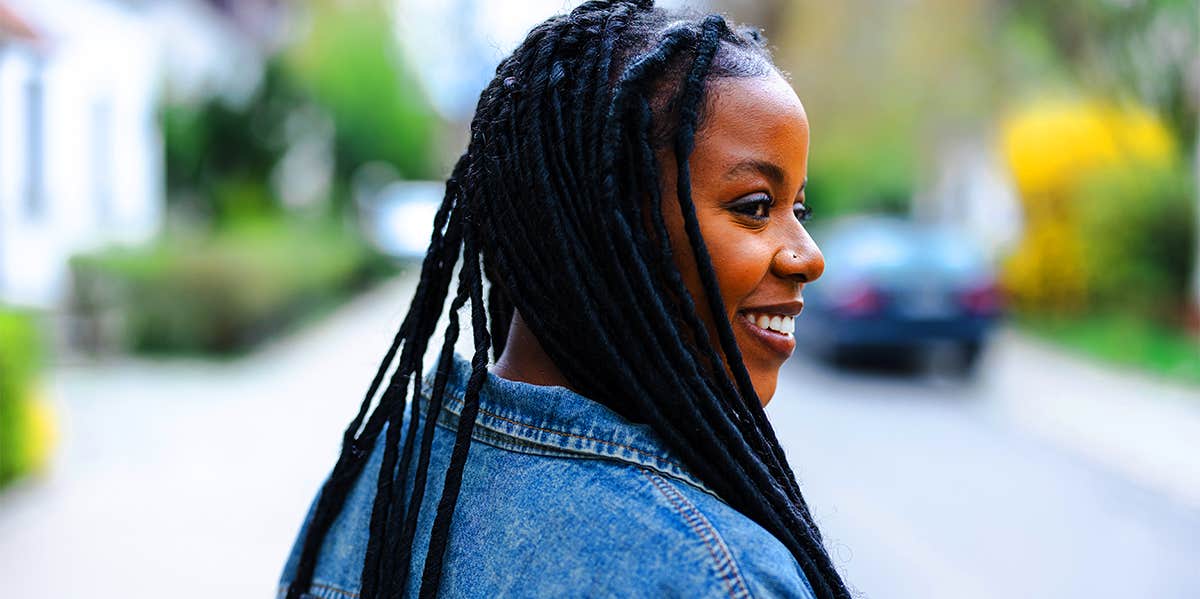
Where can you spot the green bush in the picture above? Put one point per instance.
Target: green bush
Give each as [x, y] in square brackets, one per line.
[20, 360]
[218, 155]
[223, 293]
[1137, 230]
[862, 172]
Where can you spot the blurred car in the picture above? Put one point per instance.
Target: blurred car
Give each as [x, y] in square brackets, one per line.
[893, 286]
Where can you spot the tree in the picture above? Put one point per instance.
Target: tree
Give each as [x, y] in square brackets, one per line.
[1148, 50]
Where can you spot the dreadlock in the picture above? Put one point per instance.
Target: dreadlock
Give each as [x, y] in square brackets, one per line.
[557, 202]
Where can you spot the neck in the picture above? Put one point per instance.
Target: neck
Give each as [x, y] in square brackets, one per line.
[524, 360]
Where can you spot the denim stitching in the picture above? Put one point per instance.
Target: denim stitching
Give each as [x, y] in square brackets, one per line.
[335, 589]
[508, 442]
[316, 585]
[566, 434]
[699, 524]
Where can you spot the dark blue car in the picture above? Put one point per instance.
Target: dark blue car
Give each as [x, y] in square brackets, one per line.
[896, 287]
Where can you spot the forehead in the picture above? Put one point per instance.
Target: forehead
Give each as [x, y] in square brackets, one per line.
[755, 119]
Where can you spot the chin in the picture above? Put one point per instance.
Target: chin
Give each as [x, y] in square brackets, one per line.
[763, 356]
[764, 374]
[764, 377]
[765, 387]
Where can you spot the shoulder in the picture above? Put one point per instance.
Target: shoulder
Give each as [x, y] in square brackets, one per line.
[614, 528]
[742, 559]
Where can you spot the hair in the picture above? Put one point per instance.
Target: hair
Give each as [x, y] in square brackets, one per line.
[557, 203]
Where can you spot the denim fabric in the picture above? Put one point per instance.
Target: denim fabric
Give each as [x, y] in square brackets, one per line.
[562, 497]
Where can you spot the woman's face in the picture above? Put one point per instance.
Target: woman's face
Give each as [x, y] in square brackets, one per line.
[748, 171]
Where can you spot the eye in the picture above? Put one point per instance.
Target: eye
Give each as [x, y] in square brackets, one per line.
[756, 207]
[802, 211]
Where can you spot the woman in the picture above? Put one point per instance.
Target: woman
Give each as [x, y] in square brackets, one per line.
[633, 193]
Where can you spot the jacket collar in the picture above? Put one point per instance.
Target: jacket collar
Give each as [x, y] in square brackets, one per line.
[554, 421]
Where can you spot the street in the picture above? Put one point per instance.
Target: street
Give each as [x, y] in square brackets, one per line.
[929, 488]
[189, 478]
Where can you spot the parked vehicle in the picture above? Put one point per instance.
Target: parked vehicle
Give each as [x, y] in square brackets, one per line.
[893, 286]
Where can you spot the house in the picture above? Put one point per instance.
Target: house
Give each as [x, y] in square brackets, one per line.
[80, 150]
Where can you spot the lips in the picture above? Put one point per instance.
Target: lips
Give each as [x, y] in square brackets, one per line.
[772, 326]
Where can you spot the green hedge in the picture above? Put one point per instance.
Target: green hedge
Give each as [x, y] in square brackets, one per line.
[1138, 232]
[222, 293]
[20, 361]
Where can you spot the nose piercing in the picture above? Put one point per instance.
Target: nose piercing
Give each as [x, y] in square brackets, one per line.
[794, 256]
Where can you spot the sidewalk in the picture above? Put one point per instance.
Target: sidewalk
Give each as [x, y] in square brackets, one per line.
[1139, 426]
[187, 478]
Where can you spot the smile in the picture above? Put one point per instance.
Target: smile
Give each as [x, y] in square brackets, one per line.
[784, 325]
[774, 331]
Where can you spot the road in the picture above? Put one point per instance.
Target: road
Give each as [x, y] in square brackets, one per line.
[930, 487]
[187, 478]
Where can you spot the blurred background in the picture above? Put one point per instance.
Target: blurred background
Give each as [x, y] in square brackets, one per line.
[210, 212]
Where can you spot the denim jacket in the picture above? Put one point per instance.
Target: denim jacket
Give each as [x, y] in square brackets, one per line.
[562, 497]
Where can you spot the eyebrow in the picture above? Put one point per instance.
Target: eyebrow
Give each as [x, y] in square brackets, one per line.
[770, 170]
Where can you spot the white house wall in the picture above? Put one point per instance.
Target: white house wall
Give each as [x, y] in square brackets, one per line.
[102, 156]
[27, 251]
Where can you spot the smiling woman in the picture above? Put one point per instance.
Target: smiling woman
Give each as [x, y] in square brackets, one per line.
[748, 172]
[631, 204]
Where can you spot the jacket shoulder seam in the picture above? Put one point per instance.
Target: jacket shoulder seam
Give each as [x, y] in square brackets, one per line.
[722, 557]
[656, 459]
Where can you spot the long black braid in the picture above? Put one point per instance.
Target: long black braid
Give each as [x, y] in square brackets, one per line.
[557, 205]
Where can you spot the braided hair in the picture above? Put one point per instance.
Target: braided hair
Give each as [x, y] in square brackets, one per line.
[557, 203]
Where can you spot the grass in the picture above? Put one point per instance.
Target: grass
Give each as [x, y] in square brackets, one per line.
[1123, 339]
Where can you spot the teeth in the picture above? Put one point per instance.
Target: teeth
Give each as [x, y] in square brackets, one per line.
[780, 324]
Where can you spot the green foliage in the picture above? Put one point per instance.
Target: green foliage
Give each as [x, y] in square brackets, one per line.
[351, 66]
[1145, 50]
[220, 154]
[868, 172]
[223, 293]
[20, 360]
[346, 71]
[1122, 338]
[1138, 234]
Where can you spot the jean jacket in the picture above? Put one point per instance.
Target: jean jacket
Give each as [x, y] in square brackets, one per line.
[562, 497]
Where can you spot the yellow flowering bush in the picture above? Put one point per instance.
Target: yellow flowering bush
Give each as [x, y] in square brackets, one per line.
[1099, 189]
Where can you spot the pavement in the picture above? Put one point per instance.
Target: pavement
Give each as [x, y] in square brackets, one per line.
[1046, 476]
[931, 487]
[1141, 426]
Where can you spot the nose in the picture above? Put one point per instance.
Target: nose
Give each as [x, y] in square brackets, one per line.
[800, 261]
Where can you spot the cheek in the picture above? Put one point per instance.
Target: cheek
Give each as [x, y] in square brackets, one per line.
[740, 261]
[728, 262]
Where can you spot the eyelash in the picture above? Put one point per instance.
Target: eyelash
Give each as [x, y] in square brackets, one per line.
[750, 208]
